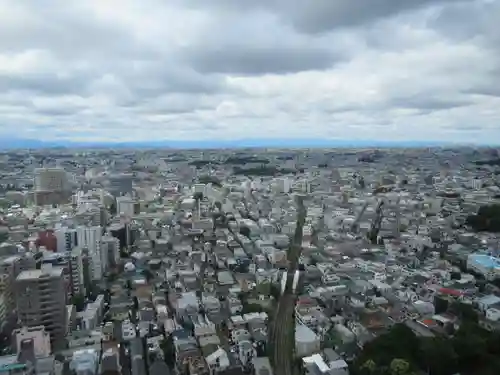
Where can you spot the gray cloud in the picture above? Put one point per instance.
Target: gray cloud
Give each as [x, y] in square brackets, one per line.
[153, 78]
[430, 103]
[187, 69]
[49, 84]
[317, 16]
[327, 15]
[464, 21]
[56, 111]
[174, 104]
[69, 31]
[258, 60]
[258, 45]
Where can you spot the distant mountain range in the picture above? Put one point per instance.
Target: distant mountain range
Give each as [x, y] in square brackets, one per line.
[23, 143]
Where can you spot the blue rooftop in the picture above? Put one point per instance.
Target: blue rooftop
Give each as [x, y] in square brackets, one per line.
[486, 261]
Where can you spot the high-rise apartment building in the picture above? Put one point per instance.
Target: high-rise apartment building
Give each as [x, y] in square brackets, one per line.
[110, 246]
[41, 300]
[90, 238]
[66, 239]
[50, 179]
[120, 184]
[51, 186]
[72, 264]
[10, 268]
[76, 272]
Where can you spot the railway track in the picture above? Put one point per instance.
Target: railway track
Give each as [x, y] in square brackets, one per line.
[283, 332]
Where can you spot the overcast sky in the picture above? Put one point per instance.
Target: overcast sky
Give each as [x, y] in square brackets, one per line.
[120, 70]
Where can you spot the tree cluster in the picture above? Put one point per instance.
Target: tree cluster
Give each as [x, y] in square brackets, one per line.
[470, 350]
[245, 231]
[4, 236]
[242, 160]
[495, 161]
[252, 308]
[205, 179]
[487, 219]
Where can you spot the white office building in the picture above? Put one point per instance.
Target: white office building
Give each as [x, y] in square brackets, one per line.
[281, 185]
[125, 206]
[66, 239]
[200, 189]
[90, 238]
[476, 183]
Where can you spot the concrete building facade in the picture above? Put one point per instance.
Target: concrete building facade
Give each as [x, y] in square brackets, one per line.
[41, 300]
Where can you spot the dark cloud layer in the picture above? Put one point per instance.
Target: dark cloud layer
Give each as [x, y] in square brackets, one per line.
[316, 16]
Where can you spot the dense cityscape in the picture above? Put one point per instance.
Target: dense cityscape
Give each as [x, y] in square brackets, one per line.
[250, 261]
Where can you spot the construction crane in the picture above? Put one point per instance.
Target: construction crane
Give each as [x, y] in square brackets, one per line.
[376, 223]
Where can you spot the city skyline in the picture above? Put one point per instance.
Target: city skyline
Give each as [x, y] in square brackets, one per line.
[224, 72]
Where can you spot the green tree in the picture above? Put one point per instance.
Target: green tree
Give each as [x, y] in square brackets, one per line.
[471, 350]
[245, 231]
[487, 219]
[383, 349]
[464, 311]
[470, 344]
[369, 367]
[275, 291]
[205, 179]
[5, 203]
[4, 236]
[252, 308]
[438, 356]
[399, 366]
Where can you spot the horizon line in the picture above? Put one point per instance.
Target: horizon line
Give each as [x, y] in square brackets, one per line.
[28, 143]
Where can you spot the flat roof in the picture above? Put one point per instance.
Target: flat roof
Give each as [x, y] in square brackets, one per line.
[318, 360]
[489, 300]
[44, 272]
